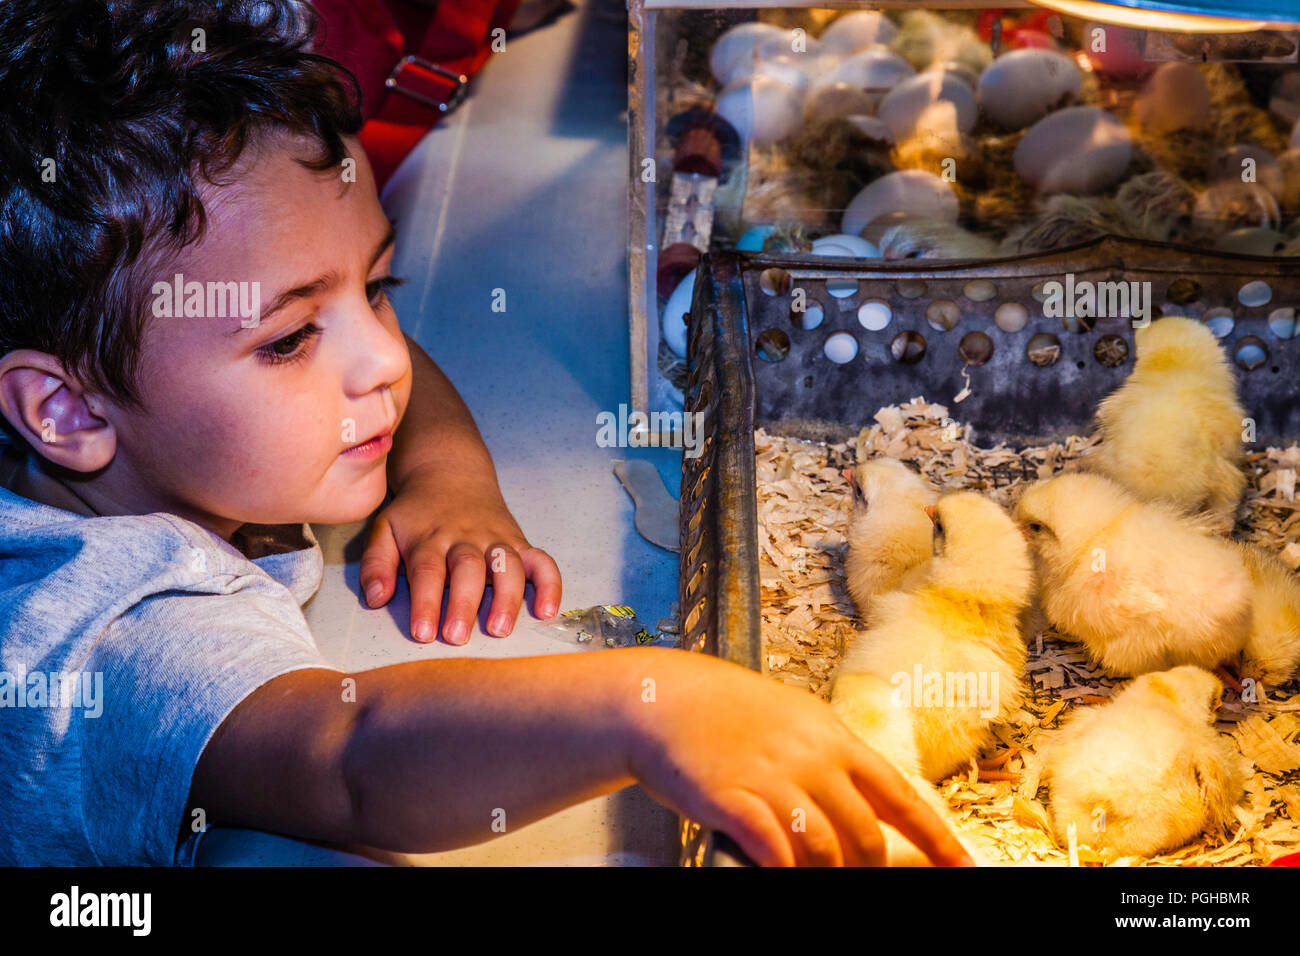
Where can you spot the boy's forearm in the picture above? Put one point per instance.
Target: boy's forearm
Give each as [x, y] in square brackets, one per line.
[450, 753]
[437, 434]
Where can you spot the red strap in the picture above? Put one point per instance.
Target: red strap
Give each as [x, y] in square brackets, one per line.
[458, 38]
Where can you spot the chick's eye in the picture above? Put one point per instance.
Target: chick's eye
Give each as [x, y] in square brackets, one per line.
[1035, 527]
[377, 291]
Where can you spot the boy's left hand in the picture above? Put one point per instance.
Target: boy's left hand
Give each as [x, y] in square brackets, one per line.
[455, 534]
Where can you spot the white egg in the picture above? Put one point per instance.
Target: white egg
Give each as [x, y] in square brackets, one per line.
[854, 31]
[930, 104]
[735, 52]
[1023, 86]
[842, 244]
[875, 70]
[911, 191]
[1080, 149]
[784, 68]
[792, 42]
[673, 322]
[761, 108]
[836, 99]
[1176, 97]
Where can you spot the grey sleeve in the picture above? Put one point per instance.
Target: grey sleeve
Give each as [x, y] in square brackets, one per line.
[173, 668]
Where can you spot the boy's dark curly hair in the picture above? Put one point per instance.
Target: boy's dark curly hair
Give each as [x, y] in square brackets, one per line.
[134, 107]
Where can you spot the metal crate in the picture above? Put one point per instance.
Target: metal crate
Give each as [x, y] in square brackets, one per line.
[1012, 399]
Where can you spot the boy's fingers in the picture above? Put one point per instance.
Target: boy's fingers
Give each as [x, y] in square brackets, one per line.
[859, 833]
[379, 564]
[507, 571]
[897, 803]
[813, 836]
[425, 574]
[747, 819]
[468, 576]
[541, 569]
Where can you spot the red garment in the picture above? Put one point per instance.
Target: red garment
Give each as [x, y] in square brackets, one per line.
[370, 37]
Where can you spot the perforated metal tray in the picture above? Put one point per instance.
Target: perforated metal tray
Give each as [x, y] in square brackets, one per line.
[745, 316]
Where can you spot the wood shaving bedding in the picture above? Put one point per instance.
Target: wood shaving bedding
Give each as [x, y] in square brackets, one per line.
[807, 618]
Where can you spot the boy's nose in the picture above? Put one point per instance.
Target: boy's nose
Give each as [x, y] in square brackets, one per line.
[377, 356]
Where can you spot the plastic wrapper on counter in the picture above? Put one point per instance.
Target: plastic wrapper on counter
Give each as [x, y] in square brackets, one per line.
[608, 625]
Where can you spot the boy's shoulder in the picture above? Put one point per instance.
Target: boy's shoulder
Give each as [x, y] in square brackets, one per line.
[124, 642]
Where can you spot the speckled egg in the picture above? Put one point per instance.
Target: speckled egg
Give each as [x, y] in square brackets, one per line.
[1080, 149]
[1023, 86]
[909, 191]
[934, 103]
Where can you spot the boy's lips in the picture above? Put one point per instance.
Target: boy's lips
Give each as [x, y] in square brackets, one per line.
[373, 447]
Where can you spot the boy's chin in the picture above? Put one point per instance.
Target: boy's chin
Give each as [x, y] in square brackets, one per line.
[352, 504]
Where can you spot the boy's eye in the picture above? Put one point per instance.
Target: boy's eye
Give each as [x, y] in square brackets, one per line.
[291, 347]
[377, 291]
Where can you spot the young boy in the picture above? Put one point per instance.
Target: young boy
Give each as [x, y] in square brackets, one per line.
[163, 161]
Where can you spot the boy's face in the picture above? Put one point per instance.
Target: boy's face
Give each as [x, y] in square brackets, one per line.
[232, 436]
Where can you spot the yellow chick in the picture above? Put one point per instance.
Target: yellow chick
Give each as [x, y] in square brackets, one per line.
[1272, 652]
[1145, 772]
[1141, 588]
[946, 659]
[1173, 430]
[889, 532]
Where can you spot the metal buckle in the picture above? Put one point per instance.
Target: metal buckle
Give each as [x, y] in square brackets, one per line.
[459, 81]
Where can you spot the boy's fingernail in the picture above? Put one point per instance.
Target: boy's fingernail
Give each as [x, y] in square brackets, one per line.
[547, 610]
[374, 591]
[422, 631]
[499, 625]
[456, 632]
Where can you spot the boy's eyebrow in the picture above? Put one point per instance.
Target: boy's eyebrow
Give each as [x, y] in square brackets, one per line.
[319, 284]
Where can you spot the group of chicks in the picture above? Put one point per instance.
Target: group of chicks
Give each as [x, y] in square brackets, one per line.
[1131, 557]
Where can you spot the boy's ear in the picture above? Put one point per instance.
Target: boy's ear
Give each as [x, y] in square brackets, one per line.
[54, 412]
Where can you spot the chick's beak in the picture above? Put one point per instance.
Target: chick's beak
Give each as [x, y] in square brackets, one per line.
[929, 510]
[848, 476]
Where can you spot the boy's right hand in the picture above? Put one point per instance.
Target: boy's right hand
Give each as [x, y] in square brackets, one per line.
[771, 766]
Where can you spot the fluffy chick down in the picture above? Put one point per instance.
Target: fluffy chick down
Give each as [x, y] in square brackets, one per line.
[960, 627]
[1145, 772]
[1173, 430]
[1141, 587]
[889, 533]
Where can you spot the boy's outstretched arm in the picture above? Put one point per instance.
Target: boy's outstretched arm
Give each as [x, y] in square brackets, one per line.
[448, 519]
[433, 753]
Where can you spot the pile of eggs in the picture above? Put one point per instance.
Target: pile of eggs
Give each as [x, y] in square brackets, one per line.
[773, 80]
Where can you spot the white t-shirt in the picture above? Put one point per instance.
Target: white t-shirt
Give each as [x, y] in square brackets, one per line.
[124, 643]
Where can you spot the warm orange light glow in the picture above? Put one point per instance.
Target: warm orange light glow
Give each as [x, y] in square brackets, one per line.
[1149, 19]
